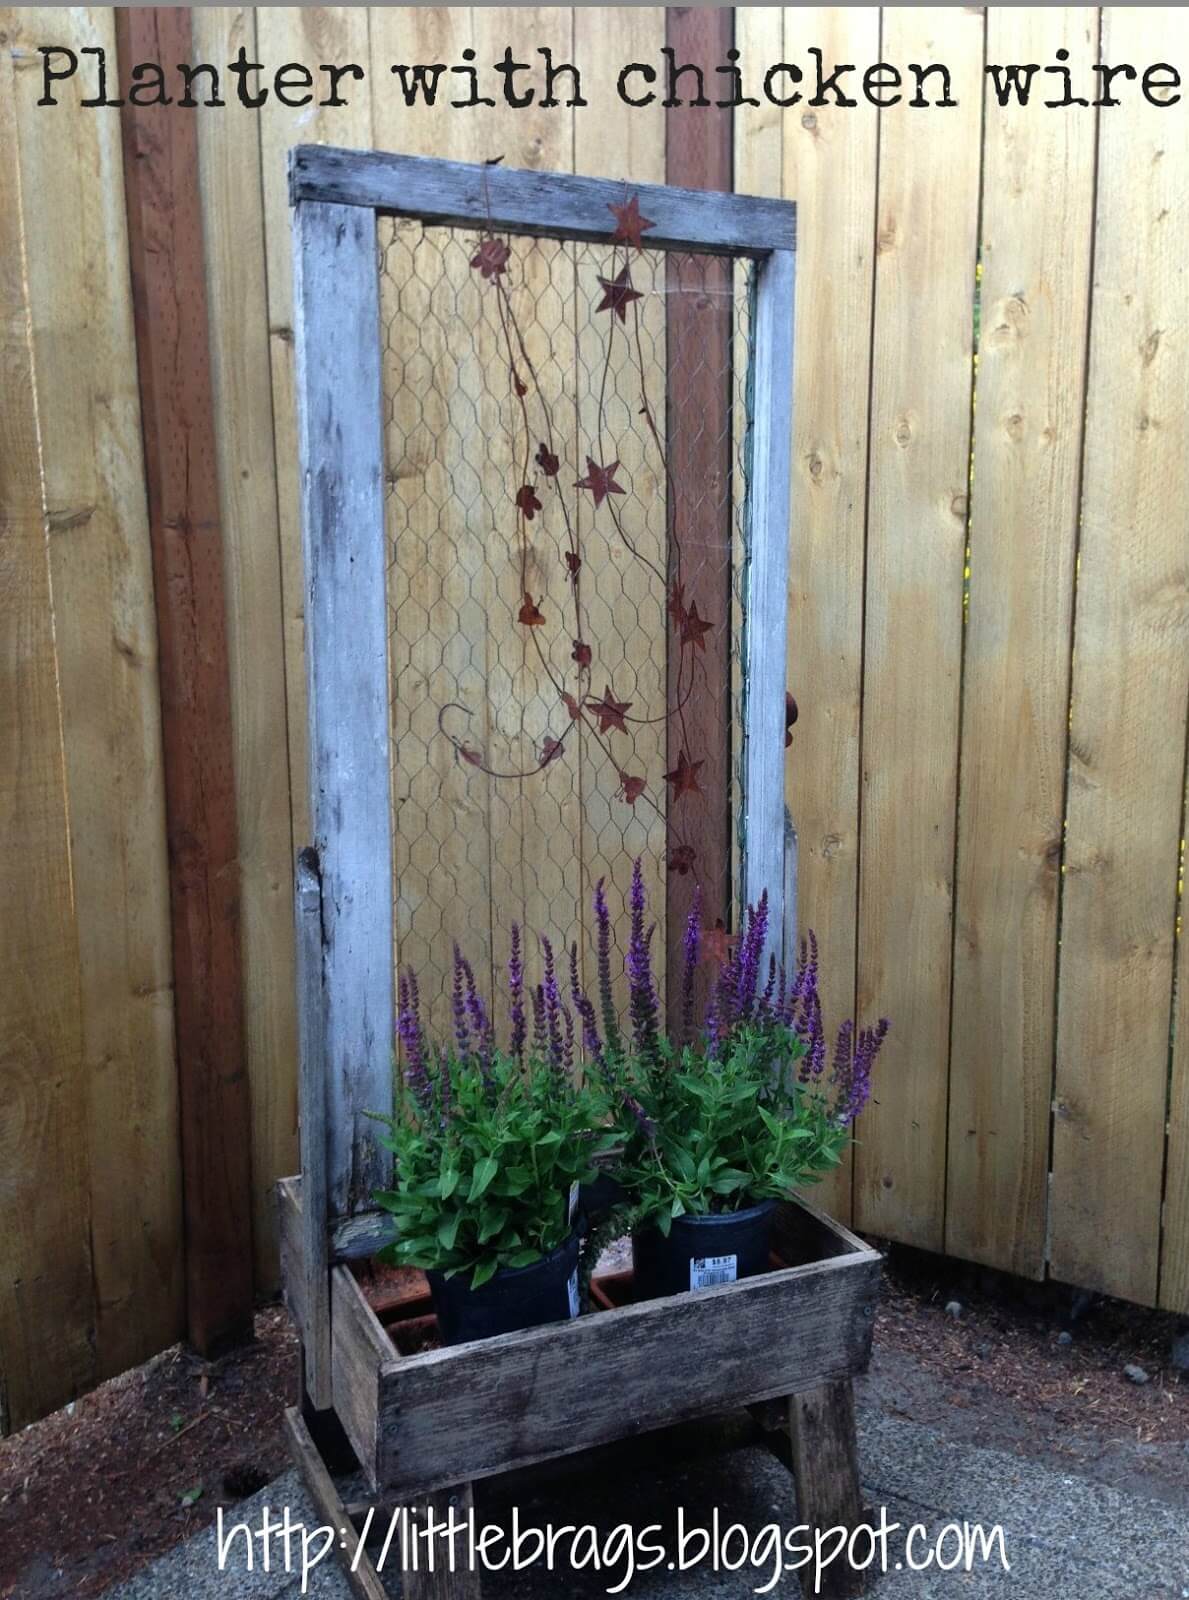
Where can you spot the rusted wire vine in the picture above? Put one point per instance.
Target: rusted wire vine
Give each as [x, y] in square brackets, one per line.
[538, 475]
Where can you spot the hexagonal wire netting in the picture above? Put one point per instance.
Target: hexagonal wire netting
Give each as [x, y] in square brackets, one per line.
[507, 808]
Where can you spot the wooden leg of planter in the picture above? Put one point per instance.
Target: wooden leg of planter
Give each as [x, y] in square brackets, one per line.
[442, 1584]
[356, 1563]
[323, 1425]
[826, 1469]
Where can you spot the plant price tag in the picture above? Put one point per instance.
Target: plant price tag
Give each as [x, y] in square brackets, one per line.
[572, 1286]
[705, 1272]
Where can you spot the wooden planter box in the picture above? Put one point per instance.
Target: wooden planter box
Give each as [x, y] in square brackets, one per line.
[445, 1417]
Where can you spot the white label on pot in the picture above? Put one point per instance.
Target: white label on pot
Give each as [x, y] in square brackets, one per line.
[572, 1286]
[573, 1202]
[705, 1272]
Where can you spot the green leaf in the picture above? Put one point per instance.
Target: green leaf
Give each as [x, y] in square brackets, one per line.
[191, 1497]
[448, 1228]
[449, 1182]
[523, 1258]
[485, 1271]
[482, 1177]
[491, 1222]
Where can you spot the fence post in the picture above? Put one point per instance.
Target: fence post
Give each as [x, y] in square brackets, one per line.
[177, 409]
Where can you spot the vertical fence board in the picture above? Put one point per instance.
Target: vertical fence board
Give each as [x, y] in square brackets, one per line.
[1027, 451]
[699, 143]
[47, 1306]
[1174, 1255]
[1130, 681]
[173, 355]
[101, 574]
[920, 440]
[623, 604]
[309, 34]
[830, 171]
[233, 229]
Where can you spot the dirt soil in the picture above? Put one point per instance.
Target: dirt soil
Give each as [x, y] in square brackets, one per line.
[93, 1493]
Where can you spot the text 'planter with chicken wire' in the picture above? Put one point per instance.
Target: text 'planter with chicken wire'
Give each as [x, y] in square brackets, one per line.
[545, 434]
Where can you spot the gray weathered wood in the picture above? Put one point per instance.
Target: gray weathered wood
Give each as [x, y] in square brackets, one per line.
[337, 332]
[311, 1110]
[790, 892]
[291, 1249]
[441, 1584]
[766, 601]
[470, 1411]
[556, 205]
[357, 1565]
[361, 1353]
[826, 1468]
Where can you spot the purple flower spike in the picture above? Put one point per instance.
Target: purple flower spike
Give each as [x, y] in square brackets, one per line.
[646, 1124]
[567, 1049]
[516, 992]
[408, 1032]
[751, 949]
[606, 998]
[592, 1045]
[690, 947]
[643, 1001]
[764, 1009]
[462, 1032]
[852, 1068]
[551, 1001]
[480, 1022]
[540, 1037]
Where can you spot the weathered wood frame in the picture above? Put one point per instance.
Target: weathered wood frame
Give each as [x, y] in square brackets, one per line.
[741, 1332]
[336, 195]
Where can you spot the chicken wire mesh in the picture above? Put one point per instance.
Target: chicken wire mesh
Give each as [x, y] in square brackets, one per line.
[564, 641]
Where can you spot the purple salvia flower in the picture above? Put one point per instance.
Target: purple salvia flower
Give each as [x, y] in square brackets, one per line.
[843, 1046]
[567, 1049]
[540, 1037]
[606, 998]
[408, 1031]
[870, 1040]
[592, 1045]
[817, 1041]
[809, 1028]
[551, 1001]
[462, 1032]
[643, 1001]
[480, 1022]
[516, 992]
[751, 949]
[690, 947]
[764, 1008]
[646, 1125]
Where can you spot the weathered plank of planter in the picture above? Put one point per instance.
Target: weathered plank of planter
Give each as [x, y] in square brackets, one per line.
[554, 205]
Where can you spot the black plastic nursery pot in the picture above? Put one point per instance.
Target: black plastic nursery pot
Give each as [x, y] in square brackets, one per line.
[516, 1297]
[701, 1252]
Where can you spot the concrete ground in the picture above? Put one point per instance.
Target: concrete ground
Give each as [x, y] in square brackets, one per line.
[1067, 1536]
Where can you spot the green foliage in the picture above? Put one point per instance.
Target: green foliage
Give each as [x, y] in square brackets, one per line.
[485, 1158]
[716, 1133]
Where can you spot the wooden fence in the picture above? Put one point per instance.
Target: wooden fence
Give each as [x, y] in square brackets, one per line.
[989, 644]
